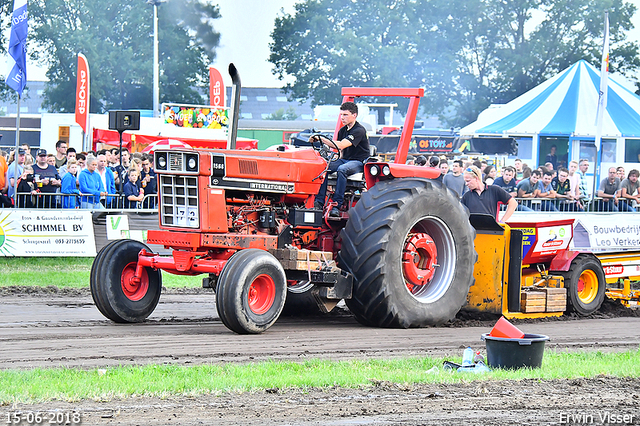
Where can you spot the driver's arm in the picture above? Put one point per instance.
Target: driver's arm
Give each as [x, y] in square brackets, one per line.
[344, 143]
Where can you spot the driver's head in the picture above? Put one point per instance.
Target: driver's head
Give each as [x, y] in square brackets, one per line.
[348, 113]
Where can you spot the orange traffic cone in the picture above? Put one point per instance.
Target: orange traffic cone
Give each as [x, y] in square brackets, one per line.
[504, 328]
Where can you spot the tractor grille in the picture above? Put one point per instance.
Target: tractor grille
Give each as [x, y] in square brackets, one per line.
[248, 167]
[179, 198]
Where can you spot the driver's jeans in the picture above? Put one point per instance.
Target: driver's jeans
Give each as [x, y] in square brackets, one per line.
[344, 168]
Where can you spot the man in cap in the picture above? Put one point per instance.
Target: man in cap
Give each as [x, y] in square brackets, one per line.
[47, 179]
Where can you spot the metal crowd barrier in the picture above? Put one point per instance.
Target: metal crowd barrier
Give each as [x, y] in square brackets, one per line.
[595, 205]
[73, 201]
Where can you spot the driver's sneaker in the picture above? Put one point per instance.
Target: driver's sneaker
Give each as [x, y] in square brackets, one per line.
[318, 205]
[334, 212]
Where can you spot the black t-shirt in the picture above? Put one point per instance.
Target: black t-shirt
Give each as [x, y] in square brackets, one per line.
[357, 135]
[487, 201]
[49, 172]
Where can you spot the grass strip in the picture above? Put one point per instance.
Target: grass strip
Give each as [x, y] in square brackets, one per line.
[40, 385]
[65, 272]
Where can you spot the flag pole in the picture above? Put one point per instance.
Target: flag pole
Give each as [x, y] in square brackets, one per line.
[602, 102]
[15, 157]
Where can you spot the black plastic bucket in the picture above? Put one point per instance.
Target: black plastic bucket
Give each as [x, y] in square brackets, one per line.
[515, 353]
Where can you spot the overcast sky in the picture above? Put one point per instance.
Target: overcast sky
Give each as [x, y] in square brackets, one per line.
[245, 28]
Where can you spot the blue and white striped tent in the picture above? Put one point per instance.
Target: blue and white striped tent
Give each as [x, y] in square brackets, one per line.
[564, 105]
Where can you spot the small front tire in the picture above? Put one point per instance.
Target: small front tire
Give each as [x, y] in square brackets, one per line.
[251, 291]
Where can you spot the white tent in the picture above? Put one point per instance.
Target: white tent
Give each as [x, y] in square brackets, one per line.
[564, 105]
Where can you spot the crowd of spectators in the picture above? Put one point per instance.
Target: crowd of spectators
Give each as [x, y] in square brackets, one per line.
[70, 179]
[545, 188]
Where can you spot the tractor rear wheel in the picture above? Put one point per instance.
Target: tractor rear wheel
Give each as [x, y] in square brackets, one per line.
[585, 284]
[115, 293]
[251, 291]
[409, 245]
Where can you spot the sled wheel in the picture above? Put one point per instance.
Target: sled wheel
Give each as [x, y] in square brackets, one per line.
[409, 245]
[251, 291]
[585, 284]
[116, 295]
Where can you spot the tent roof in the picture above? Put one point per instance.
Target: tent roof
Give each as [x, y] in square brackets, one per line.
[566, 104]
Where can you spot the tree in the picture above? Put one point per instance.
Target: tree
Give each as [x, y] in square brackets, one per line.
[281, 114]
[117, 39]
[466, 53]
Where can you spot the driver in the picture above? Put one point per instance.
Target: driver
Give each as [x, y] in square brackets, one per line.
[354, 147]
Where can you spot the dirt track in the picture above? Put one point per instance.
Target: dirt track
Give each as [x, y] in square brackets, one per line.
[47, 330]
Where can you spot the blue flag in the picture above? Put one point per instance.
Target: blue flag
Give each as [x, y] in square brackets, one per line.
[17, 76]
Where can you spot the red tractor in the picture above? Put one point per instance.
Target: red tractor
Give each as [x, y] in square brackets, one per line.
[401, 255]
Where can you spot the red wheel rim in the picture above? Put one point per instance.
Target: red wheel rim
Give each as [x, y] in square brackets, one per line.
[132, 290]
[261, 294]
[419, 260]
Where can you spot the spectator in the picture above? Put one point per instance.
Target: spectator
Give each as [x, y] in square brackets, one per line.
[410, 160]
[508, 182]
[455, 180]
[444, 166]
[51, 160]
[545, 190]
[526, 187]
[574, 178]
[526, 171]
[26, 188]
[61, 154]
[519, 171]
[629, 193]
[583, 187]
[552, 157]
[135, 163]
[562, 185]
[11, 173]
[29, 160]
[71, 155]
[420, 160]
[108, 181]
[4, 168]
[484, 199]
[620, 173]
[489, 175]
[149, 182]
[47, 180]
[69, 185]
[434, 161]
[122, 169]
[91, 186]
[82, 161]
[609, 190]
[133, 192]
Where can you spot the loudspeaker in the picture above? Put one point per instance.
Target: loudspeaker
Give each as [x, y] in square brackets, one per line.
[124, 120]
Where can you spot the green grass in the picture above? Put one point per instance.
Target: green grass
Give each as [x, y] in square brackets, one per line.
[65, 272]
[39, 385]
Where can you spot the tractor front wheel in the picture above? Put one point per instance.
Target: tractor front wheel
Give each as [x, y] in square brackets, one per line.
[251, 291]
[117, 293]
[585, 284]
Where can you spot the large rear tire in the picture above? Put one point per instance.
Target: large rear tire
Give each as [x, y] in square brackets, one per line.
[251, 291]
[585, 284]
[114, 292]
[409, 245]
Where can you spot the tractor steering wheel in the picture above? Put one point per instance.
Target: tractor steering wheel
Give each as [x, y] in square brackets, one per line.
[324, 150]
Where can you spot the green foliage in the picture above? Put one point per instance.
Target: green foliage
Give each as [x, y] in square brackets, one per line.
[66, 384]
[281, 114]
[117, 39]
[466, 53]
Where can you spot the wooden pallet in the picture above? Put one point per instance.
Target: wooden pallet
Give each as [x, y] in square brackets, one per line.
[543, 299]
[302, 260]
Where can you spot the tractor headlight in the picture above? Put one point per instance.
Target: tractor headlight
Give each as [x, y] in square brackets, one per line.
[374, 170]
[386, 170]
[192, 163]
[161, 161]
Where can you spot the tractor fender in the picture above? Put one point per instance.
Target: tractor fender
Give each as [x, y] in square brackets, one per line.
[562, 260]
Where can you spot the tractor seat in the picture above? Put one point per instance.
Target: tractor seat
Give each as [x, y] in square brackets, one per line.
[358, 177]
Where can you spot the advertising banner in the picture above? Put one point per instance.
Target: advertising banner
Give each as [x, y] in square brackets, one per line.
[596, 232]
[197, 117]
[216, 88]
[46, 233]
[82, 93]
